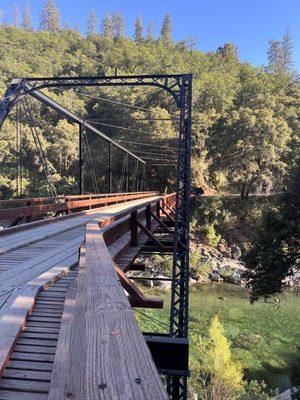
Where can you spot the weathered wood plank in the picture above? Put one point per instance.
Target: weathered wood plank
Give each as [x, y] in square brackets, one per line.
[101, 352]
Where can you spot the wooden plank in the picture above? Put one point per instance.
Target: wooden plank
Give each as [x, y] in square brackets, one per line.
[101, 352]
[24, 385]
[9, 395]
[30, 365]
[31, 375]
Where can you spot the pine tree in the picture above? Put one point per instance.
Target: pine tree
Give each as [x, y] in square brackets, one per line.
[166, 30]
[150, 29]
[76, 26]
[2, 17]
[16, 15]
[107, 27]
[275, 57]
[138, 32]
[118, 25]
[92, 23]
[287, 51]
[27, 21]
[50, 17]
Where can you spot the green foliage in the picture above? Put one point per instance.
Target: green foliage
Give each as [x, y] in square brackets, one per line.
[223, 376]
[246, 120]
[275, 250]
[256, 391]
[209, 234]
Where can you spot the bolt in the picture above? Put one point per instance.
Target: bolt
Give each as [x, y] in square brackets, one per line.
[138, 381]
[102, 386]
[69, 394]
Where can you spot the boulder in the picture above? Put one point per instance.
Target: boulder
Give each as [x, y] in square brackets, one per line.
[216, 277]
[235, 278]
[236, 252]
[165, 285]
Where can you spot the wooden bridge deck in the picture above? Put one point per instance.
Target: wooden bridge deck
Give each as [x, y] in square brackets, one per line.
[89, 346]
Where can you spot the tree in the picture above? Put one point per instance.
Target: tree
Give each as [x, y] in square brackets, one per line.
[287, 51]
[27, 21]
[150, 29]
[252, 144]
[16, 15]
[275, 253]
[166, 30]
[226, 376]
[138, 31]
[118, 25]
[92, 23]
[107, 27]
[219, 376]
[76, 26]
[275, 57]
[50, 17]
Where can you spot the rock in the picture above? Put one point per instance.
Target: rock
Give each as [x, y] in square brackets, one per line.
[203, 280]
[216, 277]
[235, 278]
[165, 285]
[145, 282]
[193, 282]
[221, 247]
[236, 252]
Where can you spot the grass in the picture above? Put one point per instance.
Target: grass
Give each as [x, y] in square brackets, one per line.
[265, 338]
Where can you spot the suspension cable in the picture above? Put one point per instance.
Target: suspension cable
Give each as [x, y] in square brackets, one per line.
[38, 145]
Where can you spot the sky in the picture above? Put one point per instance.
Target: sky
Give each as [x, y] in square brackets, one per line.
[249, 24]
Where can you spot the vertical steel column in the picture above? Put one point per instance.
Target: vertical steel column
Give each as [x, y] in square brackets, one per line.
[177, 386]
[81, 159]
[109, 168]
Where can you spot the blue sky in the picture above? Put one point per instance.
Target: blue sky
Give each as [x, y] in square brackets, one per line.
[249, 24]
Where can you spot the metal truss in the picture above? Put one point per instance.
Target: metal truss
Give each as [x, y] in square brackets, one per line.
[179, 86]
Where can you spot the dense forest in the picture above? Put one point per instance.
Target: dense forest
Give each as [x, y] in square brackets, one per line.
[245, 119]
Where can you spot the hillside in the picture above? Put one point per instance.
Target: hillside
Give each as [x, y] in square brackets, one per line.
[245, 119]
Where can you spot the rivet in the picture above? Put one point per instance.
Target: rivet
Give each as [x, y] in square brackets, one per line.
[138, 381]
[102, 386]
[69, 394]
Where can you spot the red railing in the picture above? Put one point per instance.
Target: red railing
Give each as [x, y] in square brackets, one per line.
[33, 207]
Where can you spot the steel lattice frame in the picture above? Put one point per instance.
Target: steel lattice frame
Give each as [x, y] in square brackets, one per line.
[180, 88]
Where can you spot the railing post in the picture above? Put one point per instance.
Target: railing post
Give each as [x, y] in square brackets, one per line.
[68, 206]
[148, 217]
[158, 209]
[133, 229]
[28, 218]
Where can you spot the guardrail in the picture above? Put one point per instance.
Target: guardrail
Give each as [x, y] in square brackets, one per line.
[33, 207]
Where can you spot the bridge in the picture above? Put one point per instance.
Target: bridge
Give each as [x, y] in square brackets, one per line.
[69, 288]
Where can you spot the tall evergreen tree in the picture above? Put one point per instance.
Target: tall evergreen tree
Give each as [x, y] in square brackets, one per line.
[150, 30]
[166, 29]
[16, 15]
[92, 23]
[138, 31]
[50, 17]
[107, 27]
[287, 51]
[275, 57]
[118, 25]
[27, 21]
[2, 17]
[76, 26]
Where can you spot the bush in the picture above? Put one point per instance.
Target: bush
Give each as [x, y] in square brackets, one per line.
[256, 391]
[209, 233]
